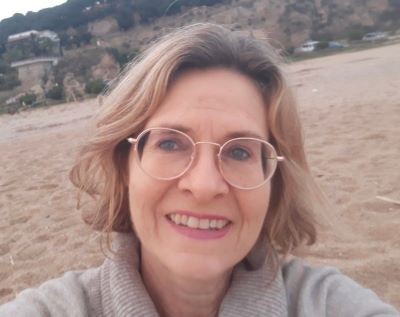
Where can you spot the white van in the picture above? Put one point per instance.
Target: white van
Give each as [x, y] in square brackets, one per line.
[309, 46]
[373, 36]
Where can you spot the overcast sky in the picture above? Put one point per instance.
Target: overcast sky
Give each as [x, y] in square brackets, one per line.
[9, 7]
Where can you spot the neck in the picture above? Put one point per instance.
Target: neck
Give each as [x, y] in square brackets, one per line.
[176, 296]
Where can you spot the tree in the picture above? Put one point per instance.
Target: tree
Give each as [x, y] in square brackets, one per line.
[9, 81]
[124, 19]
[124, 56]
[56, 93]
[95, 86]
[27, 99]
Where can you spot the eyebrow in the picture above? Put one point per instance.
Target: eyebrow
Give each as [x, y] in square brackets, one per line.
[231, 135]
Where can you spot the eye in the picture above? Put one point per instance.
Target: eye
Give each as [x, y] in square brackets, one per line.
[238, 154]
[168, 145]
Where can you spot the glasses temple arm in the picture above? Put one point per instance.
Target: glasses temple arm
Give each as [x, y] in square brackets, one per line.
[131, 140]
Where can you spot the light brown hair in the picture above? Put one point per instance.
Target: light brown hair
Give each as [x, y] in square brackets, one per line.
[101, 167]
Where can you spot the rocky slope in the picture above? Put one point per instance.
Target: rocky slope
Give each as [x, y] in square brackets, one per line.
[287, 22]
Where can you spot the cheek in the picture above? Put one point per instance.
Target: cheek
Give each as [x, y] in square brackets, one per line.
[254, 206]
[145, 195]
[257, 201]
[139, 201]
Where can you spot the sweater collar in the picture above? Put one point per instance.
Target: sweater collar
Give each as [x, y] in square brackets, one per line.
[252, 293]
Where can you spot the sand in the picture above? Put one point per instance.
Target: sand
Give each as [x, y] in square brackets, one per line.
[350, 105]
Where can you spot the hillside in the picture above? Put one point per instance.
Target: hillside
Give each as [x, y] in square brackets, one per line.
[107, 33]
[290, 21]
[287, 22]
[78, 13]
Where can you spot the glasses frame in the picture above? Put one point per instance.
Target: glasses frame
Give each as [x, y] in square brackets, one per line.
[277, 158]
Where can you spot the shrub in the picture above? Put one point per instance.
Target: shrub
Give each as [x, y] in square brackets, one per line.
[10, 108]
[322, 45]
[79, 63]
[123, 55]
[355, 35]
[55, 93]
[356, 32]
[27, 99]
[95, 86]
[9, 81]
[124, 19]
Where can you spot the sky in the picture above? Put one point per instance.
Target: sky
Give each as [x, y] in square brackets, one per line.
[9, 7]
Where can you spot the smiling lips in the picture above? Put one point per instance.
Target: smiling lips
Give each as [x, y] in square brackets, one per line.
[198, 223]
[199, 227]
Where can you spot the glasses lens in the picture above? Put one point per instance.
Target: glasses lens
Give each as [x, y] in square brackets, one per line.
[247, 163]
[164, 153]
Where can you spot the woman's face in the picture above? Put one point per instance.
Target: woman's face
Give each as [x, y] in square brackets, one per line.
[209, 105]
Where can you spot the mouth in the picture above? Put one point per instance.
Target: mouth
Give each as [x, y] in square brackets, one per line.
[202, 223]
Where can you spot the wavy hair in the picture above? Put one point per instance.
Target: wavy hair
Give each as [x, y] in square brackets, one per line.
[101, 166]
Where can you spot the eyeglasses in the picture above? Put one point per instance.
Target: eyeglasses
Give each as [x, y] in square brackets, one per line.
[166, 154]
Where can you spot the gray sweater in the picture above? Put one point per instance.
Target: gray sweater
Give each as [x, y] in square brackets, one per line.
[116, 289]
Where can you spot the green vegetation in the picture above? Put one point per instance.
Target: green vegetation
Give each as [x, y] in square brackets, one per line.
[122, 55]
[356, 32]
[56, 93]
[9, 81]
[32, 47]
[80, 64]
[95, 87]
[27, 99]
[77, 13]
[82, 58]
[10, 109]
[8, 77]
[80, 37]
[322, 45]
[355, 47]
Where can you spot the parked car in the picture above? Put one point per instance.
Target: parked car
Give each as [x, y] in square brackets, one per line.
[309, 46]
[334, 44]
[373, 36]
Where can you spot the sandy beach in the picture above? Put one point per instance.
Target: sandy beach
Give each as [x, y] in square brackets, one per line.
[350, 105]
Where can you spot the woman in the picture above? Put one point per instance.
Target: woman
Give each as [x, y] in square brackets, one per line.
[197, 163]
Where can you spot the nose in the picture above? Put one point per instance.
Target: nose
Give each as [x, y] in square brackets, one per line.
[203, 179]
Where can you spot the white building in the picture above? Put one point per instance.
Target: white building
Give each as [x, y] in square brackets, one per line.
[26, 35]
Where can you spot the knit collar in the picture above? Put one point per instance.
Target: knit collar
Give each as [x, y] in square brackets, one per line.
[252, 293]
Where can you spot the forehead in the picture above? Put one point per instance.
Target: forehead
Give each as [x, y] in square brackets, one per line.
[216, 100]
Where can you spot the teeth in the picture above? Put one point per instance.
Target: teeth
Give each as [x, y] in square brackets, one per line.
[196, 223]
[204, 223]
[221, 223]
[184, 220]
[213, 224]
[192, 222]
[177, 219]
